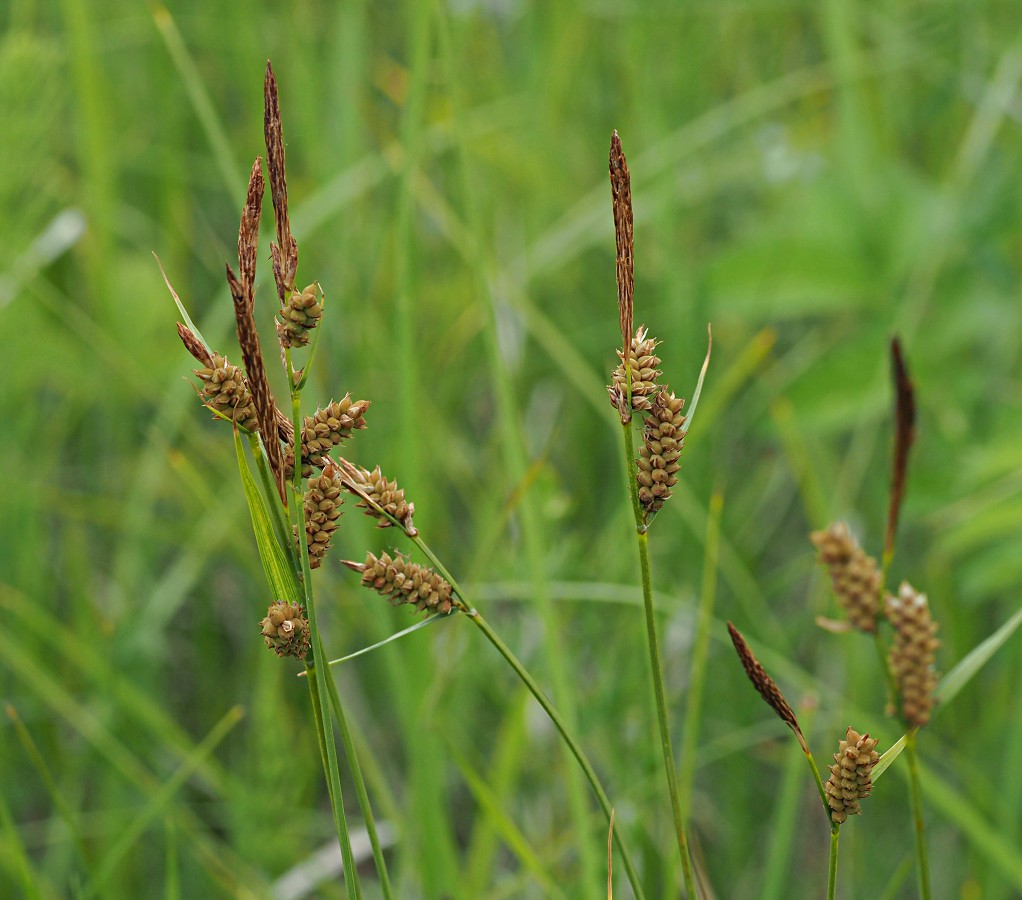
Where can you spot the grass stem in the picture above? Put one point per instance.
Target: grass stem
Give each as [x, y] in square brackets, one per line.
[917, 815]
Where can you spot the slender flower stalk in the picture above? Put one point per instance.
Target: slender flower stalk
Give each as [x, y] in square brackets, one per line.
[354, 483]
[650, 477]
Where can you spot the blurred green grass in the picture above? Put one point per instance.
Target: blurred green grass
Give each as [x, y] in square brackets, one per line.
[810, 178]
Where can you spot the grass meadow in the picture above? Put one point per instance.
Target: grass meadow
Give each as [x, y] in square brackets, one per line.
[812, 178]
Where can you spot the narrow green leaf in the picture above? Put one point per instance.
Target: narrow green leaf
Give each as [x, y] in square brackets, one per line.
[890, 756]
[279, 573]
[427, 621]
[963, 673]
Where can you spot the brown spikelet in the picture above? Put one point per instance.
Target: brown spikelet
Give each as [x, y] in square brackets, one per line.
[284, 253]
[624, 235]
[851, 777]
[243, 293]
[643, 362]
[322, 511]
[913, 653]
[285, 629]
[402, 581]
[225, 391]
[324, 430]
[194, 346]
[662, 441]
[904, 436]
[380, 494]
[765, 685]
[855, 575]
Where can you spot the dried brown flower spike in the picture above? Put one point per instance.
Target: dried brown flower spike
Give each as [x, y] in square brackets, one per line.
[286, 630]
[322, 511]
[299, 316]
[643, 362]
[662, 441]
[851, 777]
[913, 653]
[224, 390]
[765, 685]
[402, 581]
[855, 575]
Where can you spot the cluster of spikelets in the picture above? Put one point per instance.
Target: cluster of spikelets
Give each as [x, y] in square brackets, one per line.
[851, 777]
[857, 585]
[663, 434]
[241, 395]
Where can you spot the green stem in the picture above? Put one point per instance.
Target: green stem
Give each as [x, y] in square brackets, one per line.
[320, 707]
[566, 736]
[917, 815]
[835, 833]
[656, 665]
[360, 787]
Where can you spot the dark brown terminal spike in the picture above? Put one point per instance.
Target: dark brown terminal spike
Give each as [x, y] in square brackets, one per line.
[243, 293]
[284, 253]
[765, 685]
[621, 197]
[904, 436]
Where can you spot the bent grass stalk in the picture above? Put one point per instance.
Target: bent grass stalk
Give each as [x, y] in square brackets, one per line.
[474, 616]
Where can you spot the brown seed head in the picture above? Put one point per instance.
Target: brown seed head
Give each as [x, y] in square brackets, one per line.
[285, 629]
[402, 581]
[913, 653]
[322, 512]
[643, 362]
[225, 391]
[851, 777]
[855, 575]
[325, 430]
[662, 440]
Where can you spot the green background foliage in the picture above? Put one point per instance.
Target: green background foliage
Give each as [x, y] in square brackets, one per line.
[810, 177]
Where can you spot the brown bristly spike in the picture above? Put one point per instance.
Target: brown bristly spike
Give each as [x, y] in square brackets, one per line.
[904, 435]
[243, 293]
[913, 654]
[854, 575]
[193, 345]
[284, 253]
[401, 581]
[765, 685]
[621, 198]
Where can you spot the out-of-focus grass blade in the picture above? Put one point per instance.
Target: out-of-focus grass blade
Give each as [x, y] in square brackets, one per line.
[963, 673]
[159, 800]
[13, 858]
[275, 562]
[514, 839]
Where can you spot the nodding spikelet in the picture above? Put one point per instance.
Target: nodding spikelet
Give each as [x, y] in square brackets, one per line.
[765, 685]
[286, 630]
[662, 440]
[402, 581]
[325, 430]
[913, 653]
[643, 362]
[322, 511]
[299, 316]
[225, 391]
[386, 495]
[855, 575]
[851, 776]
